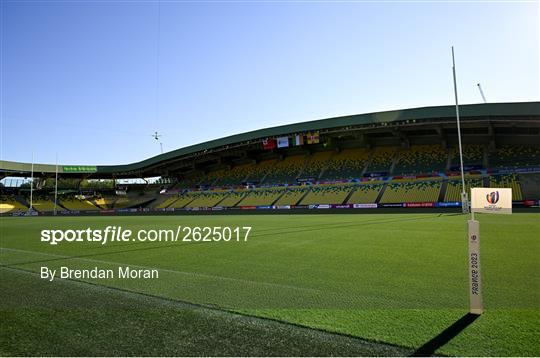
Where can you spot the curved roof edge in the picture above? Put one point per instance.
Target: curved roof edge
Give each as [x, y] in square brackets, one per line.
[469, 110]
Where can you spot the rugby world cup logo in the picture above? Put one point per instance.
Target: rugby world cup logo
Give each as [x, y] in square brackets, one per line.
[493, 197]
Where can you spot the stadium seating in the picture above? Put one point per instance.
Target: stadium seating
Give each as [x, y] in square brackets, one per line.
[507, 181]
[365, 193]
[207, 198]
[105, 202]
[182, 200]
[315, 164]
[8, 204]
[234, 176]
[453, 190]
[530, 185]
[421, 159]
[472, 155]
[167, 202]
[292, 195]
[413, 191]
[233, 198]
[44, 204]
[515, 157]
[259, 171]
[286, 170]
[262, 196]
[327, 194]
[347, 164]
[381, 160]
[73, 203]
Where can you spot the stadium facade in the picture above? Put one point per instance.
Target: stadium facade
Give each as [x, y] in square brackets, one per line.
[403, 158]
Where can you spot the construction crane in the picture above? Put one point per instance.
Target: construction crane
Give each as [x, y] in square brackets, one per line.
[481, 92]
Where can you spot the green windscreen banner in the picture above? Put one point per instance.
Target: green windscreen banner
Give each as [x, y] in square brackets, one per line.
[80, 169]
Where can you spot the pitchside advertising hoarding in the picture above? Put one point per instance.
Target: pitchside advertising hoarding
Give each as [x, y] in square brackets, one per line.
[489, 201]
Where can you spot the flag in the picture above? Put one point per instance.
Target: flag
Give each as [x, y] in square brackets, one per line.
[283, 142]
[269, 143]
[313, 138]
[299, 139]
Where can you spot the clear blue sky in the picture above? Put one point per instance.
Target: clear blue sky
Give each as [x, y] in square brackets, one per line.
[80, 78]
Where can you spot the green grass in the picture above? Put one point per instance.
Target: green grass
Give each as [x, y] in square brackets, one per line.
[394, 278]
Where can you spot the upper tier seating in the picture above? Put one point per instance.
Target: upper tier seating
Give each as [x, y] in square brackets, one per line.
[259, 171]
[381, 160]
[411, 192]
[347, 164]
[515, 157]
[421, 159]
[230, 177]
[315, 164]
[472, 155]
[327, 194]
[286, 170]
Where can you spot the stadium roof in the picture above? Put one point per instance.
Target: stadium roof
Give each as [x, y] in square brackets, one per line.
[147, 168]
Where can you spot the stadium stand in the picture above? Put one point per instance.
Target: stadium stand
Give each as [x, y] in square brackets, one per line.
[347, 164]
[167, 202]
[259, 171]
[421, 159]
[286, 170]
[182, 201]
[453, 189]
[44, 204]
[206, 198]
[411, 192]
[515, 157]
[530, 185]
[365, 194]
[261, 197]
[473, 155]
[327, 194]
[315, 164]
[105, 202]
[73, 203]
[8, 204]
[381, 160]
[292, 195]
[229, 177]
[507, 181]
[233, 198]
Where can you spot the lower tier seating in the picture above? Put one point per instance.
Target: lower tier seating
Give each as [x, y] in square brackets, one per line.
[365, 194]
[8, 204]
[507, 181]
[410, 192]
[327, 194]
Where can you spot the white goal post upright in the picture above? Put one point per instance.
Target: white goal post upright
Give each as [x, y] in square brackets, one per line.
[464, 197]
[31, 184]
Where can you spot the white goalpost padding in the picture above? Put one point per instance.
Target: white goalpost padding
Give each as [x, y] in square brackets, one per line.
[483, 200]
